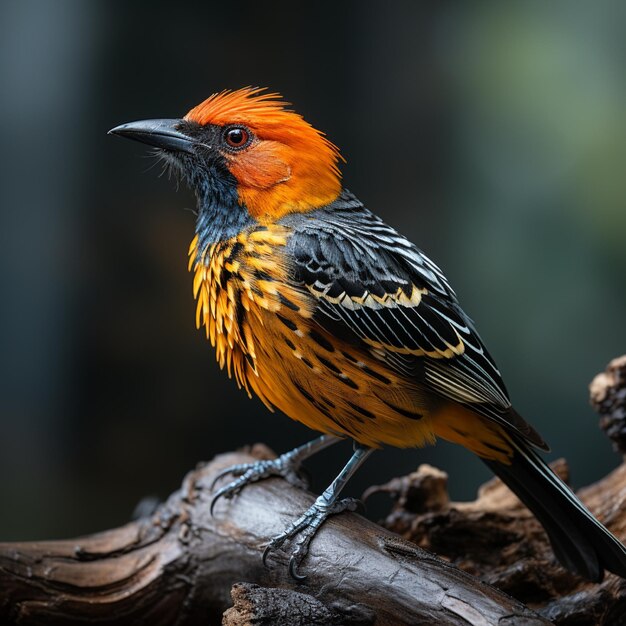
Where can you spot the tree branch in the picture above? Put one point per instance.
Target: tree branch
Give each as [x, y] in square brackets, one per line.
[181, 566]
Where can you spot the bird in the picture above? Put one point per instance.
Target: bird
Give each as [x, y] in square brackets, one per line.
[326, 313]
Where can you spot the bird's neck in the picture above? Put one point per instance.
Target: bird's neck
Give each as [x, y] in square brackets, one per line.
[299, 194]
[221, 216]
[226, 206]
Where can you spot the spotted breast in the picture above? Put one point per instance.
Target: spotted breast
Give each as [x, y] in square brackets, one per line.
[260, 319]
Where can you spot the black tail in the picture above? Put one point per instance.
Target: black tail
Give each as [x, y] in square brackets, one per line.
[580, 542]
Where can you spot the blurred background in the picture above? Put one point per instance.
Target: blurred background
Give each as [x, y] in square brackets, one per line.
[492, 134]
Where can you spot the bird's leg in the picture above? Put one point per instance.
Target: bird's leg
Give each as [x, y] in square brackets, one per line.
[286, 465]
[327, 504]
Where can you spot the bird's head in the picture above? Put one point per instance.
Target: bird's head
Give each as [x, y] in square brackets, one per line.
[245, 153]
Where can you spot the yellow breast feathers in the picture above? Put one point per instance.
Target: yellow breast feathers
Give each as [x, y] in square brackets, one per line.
[236, 282]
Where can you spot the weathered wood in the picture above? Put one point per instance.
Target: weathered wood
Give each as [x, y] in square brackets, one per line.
[179, 566]
[496, 537]
[608, 398]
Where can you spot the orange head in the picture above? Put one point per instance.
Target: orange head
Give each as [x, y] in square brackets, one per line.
[283, 164]
[248, 157]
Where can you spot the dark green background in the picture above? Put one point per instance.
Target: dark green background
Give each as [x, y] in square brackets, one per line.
[493, 134]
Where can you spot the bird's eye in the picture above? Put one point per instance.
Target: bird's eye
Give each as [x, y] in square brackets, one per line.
[237, 137]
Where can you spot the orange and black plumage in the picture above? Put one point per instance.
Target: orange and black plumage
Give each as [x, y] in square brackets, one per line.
[328, 314]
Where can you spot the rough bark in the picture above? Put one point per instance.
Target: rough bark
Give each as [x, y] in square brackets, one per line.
[608, 398]
[497, 539]
[179, 566]
[182, 566]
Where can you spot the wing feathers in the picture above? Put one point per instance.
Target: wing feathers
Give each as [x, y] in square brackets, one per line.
[374, 288]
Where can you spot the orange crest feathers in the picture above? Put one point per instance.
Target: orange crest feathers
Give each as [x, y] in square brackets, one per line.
[291, 166]
[236, 106]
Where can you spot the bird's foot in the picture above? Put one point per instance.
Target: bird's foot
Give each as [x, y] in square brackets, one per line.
[286, 465]
[306, 526]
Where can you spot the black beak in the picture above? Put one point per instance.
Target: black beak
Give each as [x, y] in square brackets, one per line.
[158, 133]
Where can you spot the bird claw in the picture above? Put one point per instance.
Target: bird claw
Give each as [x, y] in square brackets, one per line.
[307, 526]
[286, 465]
[235, 470]
[293, 570]
[228, 492]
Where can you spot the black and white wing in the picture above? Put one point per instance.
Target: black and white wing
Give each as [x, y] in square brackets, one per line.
[374, 287]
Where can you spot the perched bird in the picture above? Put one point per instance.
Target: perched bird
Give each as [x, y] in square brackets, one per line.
[328, 314]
